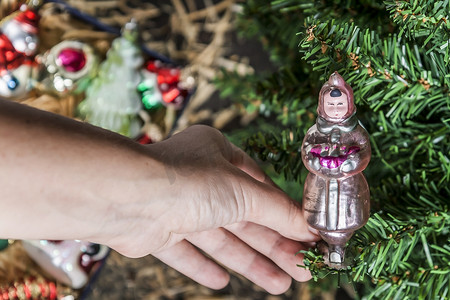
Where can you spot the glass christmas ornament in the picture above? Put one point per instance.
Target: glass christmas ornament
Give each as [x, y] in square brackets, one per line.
[18, 45]
[336, 199]
[112, 99]
[72, 59]
[66, 67]
[163, 86]
[70, 262]
[4, 244]
[144, 139]
[151, 95]
[22, 31]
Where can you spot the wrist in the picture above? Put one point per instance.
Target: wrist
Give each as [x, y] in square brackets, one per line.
[124, 195]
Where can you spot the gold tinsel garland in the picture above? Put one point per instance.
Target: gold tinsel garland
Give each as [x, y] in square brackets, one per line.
[34, 288]
[22, 278]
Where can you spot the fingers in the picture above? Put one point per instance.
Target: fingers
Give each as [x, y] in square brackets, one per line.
[238, 256]
[246, 256]
[268, 208]
[276, 247]
[265, 203]
[189, 261]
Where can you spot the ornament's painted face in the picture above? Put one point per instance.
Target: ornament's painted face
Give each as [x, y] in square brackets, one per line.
[335, 104]
[336, 100]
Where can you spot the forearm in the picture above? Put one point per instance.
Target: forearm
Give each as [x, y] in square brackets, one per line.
[62, 179]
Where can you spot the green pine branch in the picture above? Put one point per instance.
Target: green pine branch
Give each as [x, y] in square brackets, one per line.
[398, 65]
[397, 258]
[376, 65]
[404, 254]
[280, 149]
[422, 19]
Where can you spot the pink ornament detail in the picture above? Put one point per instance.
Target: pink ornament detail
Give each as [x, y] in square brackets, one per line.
[73, 60]
[332, 162]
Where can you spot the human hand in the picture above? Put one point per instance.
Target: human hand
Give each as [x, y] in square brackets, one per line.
[192, 190]
[211, 196]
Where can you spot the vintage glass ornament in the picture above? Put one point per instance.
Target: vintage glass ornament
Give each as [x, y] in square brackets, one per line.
[69, 262]
[151, 95]
[112, 99]
[336, 198]
[66, 67]
[18, 45]
[162, 86]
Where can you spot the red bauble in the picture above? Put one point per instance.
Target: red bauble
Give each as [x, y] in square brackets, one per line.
[144, 140]
[10, 59]
[169, 84]
[18, 45]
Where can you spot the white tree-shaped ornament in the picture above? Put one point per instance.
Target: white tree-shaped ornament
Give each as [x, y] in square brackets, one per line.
[112, 100]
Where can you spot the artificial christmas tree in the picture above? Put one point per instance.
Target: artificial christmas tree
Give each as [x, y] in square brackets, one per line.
[395, 55]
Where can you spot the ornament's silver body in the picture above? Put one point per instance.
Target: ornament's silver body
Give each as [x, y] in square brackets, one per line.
[336, 199]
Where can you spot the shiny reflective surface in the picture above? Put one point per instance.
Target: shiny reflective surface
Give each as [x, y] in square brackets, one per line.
[336, 199]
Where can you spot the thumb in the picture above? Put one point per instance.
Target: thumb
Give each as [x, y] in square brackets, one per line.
[265, 203]
[268, 206]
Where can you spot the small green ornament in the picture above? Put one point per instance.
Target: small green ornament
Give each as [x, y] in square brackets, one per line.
[151, 102]
[4, 244]
[150, 97]
[150, 93]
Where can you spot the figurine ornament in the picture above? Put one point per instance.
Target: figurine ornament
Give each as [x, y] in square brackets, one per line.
[336, 198]
[70, 262]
